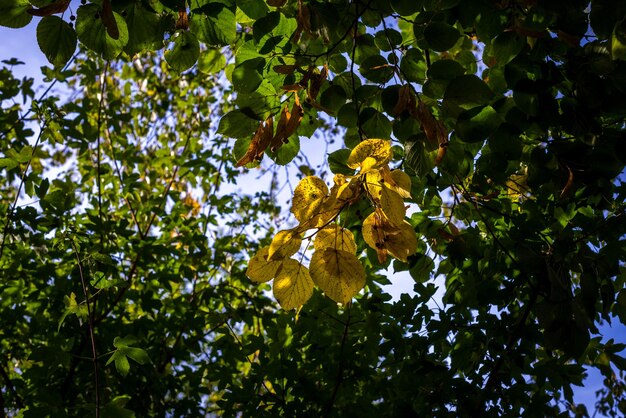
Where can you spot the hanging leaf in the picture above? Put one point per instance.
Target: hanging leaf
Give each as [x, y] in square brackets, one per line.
[261, 270]
[338, 273]
[308, 197]
[336, 237]
[398, 240]
[56, 39]
[260, 141]
[108, 19]
[92, 31]
[293, 285]
[285, 244]
[371, 153]
[53, 8]
[184, 51]
[385, 197]
[13, 13]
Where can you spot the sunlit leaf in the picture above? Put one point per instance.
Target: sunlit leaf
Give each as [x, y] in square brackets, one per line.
[308, 197]
[338, 273]
[285, 244]
[336, 237]
[370, 153]
[292, 286]
[261, 270]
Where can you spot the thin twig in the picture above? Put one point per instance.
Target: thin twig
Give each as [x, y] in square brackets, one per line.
[5, 232]
[333, 396]
[90, 324]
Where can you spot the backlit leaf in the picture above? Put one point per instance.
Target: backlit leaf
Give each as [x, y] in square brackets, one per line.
[385, 197]
[334, 236]
[338, 273]
[93, 33]
[57, 40]
[308, 197]
[261, 270]
[292, 286]
[377, 150]
[285, 244]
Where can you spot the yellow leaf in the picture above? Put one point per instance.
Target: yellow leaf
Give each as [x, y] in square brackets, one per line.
[385, 197]
[399, 241]
[285, 244]
[293, 285]
[334, 236]
[260, 269]
[402, 242]
[308, 197]
[374, 234]
[378, 150]
[401, 183]
[338, 273]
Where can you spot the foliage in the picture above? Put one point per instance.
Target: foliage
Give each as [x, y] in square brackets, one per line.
[127, 250]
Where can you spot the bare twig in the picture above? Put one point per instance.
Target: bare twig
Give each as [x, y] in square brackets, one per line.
[90, 324]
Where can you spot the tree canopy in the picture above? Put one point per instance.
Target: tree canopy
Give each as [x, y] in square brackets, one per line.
[477, 146]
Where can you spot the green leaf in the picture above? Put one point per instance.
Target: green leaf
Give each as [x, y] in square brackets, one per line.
[287, 152]
[116, 408]
[421, 268]
[375, 124]
[145, 29]
[477, 124]
[13, 13]
[137, 354]
[214, 24]
[236, 124]
[57, 40]
[441, 36]
[466, 92]
[445, 69]
[184, 53]
[211, 61]
[413, 66]
[93, 34]
[376, 69]
[506, 46]
[247, 75]
[618, 41]
[406, 7]
[333, 98]
[337, 162]
[254, 9]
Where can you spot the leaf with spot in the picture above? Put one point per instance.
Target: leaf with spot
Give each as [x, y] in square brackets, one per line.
[308, 197]
[369, 154]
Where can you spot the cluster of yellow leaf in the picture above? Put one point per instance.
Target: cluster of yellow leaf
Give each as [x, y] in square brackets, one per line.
[335, 267]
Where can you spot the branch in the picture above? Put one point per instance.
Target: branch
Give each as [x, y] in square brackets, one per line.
[90, 324]
[333, 396]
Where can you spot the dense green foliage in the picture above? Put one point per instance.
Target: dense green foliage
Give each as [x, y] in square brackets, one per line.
[126, 227]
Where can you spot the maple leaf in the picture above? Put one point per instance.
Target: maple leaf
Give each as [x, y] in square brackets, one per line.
[293, 285]
[285, 244]
[369, 154]
[334, 236]
[260, 269]
[338, 273]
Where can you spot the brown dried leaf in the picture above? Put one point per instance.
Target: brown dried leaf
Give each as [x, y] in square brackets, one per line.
[108, 19]
[183, 19]
[260, 141]
[53, 8]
